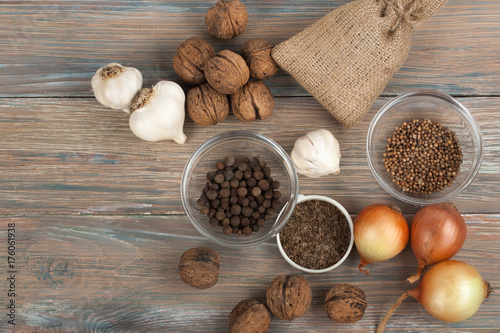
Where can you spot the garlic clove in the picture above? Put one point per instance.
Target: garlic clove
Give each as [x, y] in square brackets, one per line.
[158, 113]
[115, 85]
[316, 154]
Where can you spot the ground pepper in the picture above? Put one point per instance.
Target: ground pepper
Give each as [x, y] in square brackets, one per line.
[317, 235]
[422, 156]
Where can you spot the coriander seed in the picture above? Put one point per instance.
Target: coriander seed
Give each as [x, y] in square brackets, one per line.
[422, 156]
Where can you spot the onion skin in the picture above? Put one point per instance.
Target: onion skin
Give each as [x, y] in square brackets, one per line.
[380, 233]
[437, 233]
[450, 291]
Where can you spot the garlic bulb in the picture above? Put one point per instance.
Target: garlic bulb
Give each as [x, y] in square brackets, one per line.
[158, 113]
[116, 86]
[316, 154]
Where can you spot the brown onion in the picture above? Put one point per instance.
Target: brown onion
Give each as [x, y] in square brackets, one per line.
[437, 233]
[451, 291]
[380, 233]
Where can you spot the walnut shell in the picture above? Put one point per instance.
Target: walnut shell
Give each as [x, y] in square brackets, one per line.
[249, 316]
[190, 60]
[227, 19]
[199, 267]
[257, 54]
[345, 303]
[253, 101]
[205, 106]
[227, 72]
[289, 297]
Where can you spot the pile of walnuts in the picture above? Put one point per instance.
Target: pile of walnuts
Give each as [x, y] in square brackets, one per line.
[226, 74]
[287, 297]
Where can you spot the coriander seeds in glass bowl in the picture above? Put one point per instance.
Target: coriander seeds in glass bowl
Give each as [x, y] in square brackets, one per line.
[422, 157]
[212, 204]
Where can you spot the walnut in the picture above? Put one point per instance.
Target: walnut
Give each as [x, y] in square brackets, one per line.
[257, 54]
[199, 267]
[227, 19]
[254, 101]
[205, 106]
[249, 316]
[227, 72]
[345, 303]
[190, 59]
[289, 297]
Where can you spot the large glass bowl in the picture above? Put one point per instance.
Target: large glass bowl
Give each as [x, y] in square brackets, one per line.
[239, 144]
[437, 107]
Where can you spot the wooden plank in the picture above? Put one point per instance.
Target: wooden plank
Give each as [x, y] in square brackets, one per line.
[73, 156]
[119, 274]
[52, 48]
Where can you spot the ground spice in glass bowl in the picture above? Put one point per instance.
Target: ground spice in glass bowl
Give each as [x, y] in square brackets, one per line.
[318, 236]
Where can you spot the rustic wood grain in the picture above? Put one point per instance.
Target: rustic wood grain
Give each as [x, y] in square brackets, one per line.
[119, 274]
[52, 48]
[99, 222]
[73, 156]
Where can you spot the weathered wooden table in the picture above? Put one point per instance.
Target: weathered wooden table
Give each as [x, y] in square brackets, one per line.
[99, 225]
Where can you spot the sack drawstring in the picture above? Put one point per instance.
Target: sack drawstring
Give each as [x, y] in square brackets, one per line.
[404, 13]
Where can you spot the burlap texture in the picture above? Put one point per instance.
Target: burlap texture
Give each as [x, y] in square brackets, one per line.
[346, 58]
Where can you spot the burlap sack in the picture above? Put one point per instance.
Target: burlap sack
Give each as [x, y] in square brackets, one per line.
[346, 58]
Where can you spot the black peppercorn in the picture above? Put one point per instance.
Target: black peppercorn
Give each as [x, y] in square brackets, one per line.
[251, 182]
[219, 178]
[243, 166]
[242, 191]
[236, 209]
[235, 221]
[204, 210]
[263, 184]
[253, 161]
[225, 193]
[211, 194]
[247, 211]
[247, 174]
[253, 204]
[229, 160]
[227, 229]
[247, 231]
[216, 203]
[220, 165]
[234, 183]
[220, 215]
[256, 191]
[244, 221]
[258, 175]
[228, 174]
[238, 196]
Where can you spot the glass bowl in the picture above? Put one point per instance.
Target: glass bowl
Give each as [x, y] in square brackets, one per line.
[437, 107]
[239, 144]
[303, 198]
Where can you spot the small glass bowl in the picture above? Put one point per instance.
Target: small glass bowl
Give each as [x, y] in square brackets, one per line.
[301, 199]
[437, 107]
[239, 144]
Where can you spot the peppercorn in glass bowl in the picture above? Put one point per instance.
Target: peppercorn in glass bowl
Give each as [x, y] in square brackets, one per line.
[239, 145]
[409, 179]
